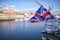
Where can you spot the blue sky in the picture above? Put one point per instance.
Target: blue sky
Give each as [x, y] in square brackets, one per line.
[31, 5]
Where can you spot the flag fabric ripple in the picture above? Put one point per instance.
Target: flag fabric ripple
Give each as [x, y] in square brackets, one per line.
[41, 15]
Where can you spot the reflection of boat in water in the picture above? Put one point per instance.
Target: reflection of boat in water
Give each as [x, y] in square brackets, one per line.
[52, 29]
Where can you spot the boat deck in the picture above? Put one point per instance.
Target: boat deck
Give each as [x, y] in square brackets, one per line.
[51, 36]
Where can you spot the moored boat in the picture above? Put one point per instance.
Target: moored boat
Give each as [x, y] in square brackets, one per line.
[52, 29]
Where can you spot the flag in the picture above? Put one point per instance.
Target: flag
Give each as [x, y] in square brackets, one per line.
[38, 17]
[41, 9]
[46, 13]
[49, 17]
[33, 19]
[41, 15]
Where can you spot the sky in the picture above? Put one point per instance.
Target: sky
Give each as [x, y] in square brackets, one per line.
[31, 5]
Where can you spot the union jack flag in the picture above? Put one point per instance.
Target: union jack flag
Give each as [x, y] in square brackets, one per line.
[41, 15]
[38, 15]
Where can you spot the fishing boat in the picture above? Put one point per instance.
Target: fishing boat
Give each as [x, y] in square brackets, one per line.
[52, 29]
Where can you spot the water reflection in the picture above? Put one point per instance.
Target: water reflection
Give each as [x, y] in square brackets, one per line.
[20, 30]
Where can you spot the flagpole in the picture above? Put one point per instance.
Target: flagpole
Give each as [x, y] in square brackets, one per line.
[37, 2]
[46, 21]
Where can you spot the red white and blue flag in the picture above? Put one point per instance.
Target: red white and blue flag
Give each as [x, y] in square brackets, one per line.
[41, 15]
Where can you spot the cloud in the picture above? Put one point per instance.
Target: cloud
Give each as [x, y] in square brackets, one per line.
[28, 10]
[7, 5]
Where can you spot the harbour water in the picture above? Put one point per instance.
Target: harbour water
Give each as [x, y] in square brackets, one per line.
[20, 30]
